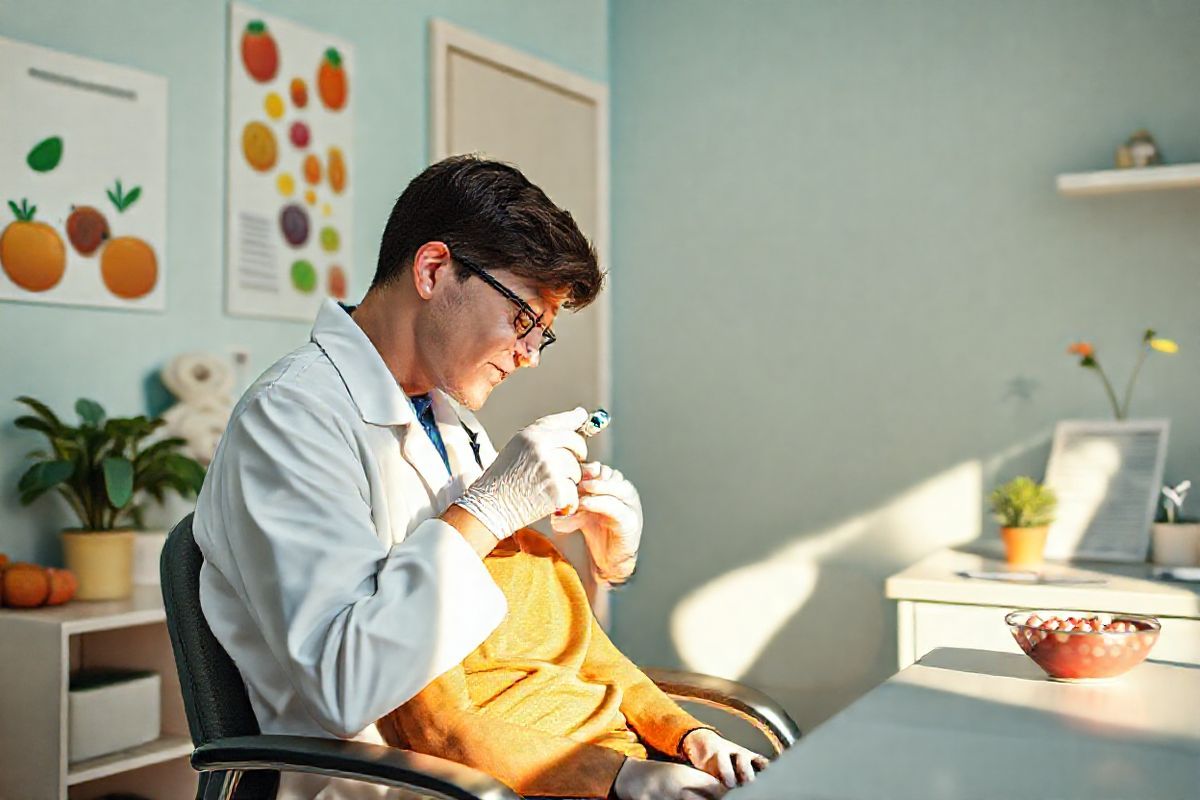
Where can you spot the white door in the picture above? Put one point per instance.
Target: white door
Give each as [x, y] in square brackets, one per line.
[501, 103]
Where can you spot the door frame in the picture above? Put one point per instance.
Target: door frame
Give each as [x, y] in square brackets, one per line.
[445, 37]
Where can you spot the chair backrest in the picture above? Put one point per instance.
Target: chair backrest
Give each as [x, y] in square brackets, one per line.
[214, 696]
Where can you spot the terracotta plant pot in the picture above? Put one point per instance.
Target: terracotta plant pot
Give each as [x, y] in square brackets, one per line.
[103, 562]
[1023, 547]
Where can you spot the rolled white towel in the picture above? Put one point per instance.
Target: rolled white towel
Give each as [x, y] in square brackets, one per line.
[201, 423]
[193, 376]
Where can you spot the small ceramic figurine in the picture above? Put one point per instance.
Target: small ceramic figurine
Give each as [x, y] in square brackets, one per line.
[1139, 150]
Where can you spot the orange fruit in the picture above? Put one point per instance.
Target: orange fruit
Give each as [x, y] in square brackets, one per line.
[337, 170]
[258, 145]
[32, 255]
[25, 585]
[312, 169]
[129, 267]
[337, 282]
[331, 80]
[63, 586]
[3, 560]
[299, 91]
[259, 53]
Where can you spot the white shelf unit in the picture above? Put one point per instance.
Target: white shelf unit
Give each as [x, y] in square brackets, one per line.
[1140, 179]
[38, 650]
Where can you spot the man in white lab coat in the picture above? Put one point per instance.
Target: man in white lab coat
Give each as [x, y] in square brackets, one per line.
[353, 496]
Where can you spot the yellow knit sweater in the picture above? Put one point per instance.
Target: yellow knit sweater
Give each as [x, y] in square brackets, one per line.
[547, 704]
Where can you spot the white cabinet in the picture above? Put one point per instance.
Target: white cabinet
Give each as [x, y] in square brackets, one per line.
[38, 649]
[937, 607]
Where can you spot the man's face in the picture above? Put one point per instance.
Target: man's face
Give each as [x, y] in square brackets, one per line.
[470, 342]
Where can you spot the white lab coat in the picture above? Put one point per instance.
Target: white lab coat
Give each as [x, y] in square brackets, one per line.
[327, 576]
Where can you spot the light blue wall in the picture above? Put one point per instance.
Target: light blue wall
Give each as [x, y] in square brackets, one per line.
[60, 353]
[837, 244]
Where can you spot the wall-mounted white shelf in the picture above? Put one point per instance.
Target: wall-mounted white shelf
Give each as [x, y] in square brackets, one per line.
[1141, 179]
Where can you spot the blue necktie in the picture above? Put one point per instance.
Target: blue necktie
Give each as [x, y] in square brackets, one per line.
[423, 404]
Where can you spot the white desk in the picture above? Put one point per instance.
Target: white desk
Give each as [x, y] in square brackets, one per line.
[983, 725]
[937, 608]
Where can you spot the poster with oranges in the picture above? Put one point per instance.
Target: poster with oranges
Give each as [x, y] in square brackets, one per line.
[83, 179]
[290, 200]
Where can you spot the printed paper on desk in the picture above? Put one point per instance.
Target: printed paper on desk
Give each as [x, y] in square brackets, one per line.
[1107, 476]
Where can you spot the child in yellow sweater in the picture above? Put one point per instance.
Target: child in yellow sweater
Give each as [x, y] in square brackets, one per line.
[548, 705]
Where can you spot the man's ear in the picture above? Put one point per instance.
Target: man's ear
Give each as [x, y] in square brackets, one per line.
[431, 264]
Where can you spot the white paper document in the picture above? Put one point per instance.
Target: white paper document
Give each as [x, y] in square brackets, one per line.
[1107, 477]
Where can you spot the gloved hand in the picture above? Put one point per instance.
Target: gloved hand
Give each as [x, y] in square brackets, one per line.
[535, 474]
[610, 517]
[731, 763]
[660, 780]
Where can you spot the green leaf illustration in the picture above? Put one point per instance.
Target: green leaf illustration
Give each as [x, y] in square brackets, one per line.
[120, 198]
[46, 155]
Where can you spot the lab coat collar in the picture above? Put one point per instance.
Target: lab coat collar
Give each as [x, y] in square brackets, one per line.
[379, 399]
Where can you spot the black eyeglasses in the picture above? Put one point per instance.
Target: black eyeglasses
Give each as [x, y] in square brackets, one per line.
[526, 320]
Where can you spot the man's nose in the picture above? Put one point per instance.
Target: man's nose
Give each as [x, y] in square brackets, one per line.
[527, 355]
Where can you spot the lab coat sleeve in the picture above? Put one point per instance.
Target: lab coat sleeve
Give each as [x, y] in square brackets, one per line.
[359, 627]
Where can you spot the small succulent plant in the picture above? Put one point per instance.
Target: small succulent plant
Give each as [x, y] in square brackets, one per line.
[1173, 497]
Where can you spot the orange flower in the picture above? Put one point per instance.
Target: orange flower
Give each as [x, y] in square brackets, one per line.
[1082, 349]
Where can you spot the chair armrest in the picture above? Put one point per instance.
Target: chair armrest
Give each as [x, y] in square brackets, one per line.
[387, 766]
[732, 697]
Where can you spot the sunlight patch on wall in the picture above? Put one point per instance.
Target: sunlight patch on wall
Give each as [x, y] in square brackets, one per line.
[722, 627]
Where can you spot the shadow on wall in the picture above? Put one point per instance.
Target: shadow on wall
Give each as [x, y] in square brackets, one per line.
[809, 624]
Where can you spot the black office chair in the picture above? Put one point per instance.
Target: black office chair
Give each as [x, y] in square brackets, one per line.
[237, 761]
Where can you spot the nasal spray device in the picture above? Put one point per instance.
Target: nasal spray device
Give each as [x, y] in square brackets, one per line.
[597, 421]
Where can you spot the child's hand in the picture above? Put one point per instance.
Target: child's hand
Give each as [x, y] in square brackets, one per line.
[729, 763]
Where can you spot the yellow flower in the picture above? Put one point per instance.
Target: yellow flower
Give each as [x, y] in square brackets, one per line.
[1164, 345]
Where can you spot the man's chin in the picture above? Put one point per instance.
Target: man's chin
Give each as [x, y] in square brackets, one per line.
[472, 398]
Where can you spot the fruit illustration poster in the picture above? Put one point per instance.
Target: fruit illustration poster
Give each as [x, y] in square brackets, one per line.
[290, 203]
[83, 181]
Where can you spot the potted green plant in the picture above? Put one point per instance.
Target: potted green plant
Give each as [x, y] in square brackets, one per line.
[106, 470]
[1024, 508]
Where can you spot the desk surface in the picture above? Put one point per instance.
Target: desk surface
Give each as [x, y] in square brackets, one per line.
[1127, 588]
[978, 725]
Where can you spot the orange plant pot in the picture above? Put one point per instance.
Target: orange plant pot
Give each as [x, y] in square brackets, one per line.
[1023, 547]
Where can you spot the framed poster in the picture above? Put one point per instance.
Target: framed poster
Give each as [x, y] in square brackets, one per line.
[83, 173]
[1107, 476]
[289, 200]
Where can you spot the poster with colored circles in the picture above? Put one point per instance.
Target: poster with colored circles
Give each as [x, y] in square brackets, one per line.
[290, 199]
[83, 181]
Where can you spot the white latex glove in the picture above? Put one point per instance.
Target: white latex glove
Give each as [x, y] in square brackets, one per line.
[730, 763]
[660, 780]
[536, 473]
[610, 517]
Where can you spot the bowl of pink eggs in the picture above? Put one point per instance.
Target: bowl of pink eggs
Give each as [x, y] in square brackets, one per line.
[1080, 646]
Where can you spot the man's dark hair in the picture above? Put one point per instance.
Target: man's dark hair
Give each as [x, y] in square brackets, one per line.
[491, 214]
